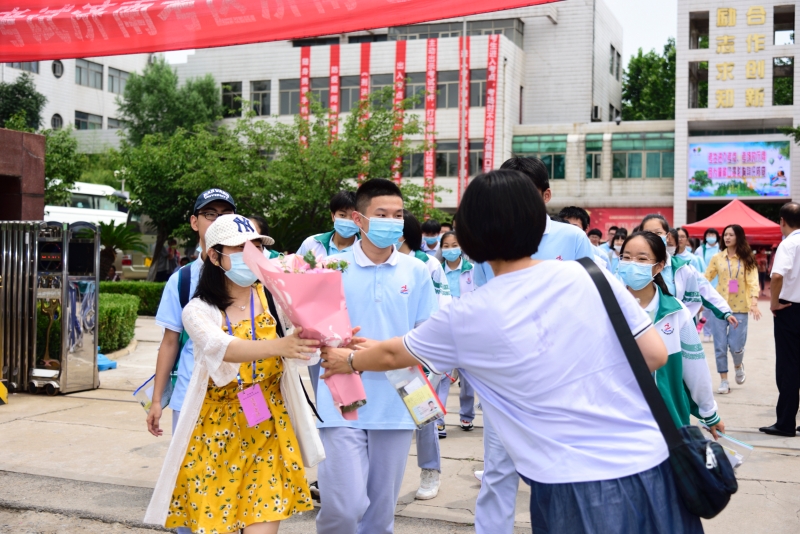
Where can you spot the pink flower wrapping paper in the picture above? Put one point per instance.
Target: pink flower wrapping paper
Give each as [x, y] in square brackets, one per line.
[313, 298]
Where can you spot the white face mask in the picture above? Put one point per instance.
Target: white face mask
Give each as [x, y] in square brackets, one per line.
[671, 250]
[618, 248]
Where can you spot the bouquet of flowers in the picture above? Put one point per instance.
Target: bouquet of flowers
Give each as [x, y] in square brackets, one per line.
[311, 293]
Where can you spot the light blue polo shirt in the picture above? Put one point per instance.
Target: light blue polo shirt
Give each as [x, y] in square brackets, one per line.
[386, 301]
[560, 242]
[169, 316]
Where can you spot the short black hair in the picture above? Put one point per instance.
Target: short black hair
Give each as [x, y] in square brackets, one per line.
[343, 200]
[502, 216]
[595, 231]
[574, 212]
[533, 168]
[711, 231]
[790, 213]
[261, 222]
[558, 219]
[411, 231]
[614, 228]
[657, 216]
[621, 233]
[449, 225]
[376, 187]
[448, 234]
[431, 226]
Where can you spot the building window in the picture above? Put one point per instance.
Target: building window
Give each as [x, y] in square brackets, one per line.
[88, 73]
[613, 112]
[594, 155]
[349, 92]
[232, 99]
[117, 80]
[643, 155]
[57, 68]
[512, 28]
[447, 89]
[414, 165]
[477, 88]
[698, 84]
[698, 30]
[415, 85]
[259, 96]
[619, 65]
[783, 25]
[447, 158]
[321, 89]
[56, 122]
[783, 81]
[379, 81]
[289, 91]
[30, 66]
[87, 121]
[612, 60]
[317, 41]
[114, 124]
[551, 149]
[378, 38]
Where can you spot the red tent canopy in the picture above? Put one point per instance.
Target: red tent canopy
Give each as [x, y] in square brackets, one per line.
[758, 229]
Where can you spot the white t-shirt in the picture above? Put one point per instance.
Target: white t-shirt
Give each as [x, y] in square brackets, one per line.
[539, 349]
[787, 264]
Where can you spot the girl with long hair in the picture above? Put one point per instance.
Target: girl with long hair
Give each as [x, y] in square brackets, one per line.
[736, 268]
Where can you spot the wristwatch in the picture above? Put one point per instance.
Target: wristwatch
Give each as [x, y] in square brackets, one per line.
[350, 363]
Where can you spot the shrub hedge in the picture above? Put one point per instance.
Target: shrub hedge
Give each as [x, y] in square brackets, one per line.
[149, 293]
[116, 321]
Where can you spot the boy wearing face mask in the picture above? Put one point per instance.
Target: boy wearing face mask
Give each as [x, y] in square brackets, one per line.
[344, 233]
[431, 238]
[387, 294]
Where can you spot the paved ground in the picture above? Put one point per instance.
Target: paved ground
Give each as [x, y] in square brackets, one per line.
[85, 462]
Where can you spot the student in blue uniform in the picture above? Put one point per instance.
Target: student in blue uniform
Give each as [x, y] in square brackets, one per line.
[387, 295]
[431, 236]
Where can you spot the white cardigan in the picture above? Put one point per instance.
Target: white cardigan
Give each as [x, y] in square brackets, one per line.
[203, 323]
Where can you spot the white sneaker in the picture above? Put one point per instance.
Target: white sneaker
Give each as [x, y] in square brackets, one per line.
[428, 485]
[740, 376]
[707, 339]
[479, 476]
[724, 387]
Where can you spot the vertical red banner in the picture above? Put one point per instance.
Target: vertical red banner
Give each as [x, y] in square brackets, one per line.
[334, 91]
[463, 115]
[364, 90]
[399, 96]
[491, 103]
[305, 87]
[430, 116]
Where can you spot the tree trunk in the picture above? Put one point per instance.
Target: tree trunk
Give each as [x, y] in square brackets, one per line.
[161, 238]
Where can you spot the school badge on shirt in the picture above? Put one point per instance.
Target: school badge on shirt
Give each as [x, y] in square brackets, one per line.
[404, 290]
[667, 329]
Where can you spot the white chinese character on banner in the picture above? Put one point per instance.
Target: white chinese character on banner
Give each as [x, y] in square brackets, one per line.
[43, 26]
[134, 15]
[223, 10]
[8, 21]
[175, 6]
[87, 14]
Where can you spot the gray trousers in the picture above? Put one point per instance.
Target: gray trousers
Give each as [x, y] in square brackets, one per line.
[497, 499]
[360, 478]
[176, 414]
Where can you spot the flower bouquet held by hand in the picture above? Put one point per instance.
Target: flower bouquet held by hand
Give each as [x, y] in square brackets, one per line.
[311, 292]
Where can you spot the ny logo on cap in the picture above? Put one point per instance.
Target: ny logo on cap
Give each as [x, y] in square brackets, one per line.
[241, 222]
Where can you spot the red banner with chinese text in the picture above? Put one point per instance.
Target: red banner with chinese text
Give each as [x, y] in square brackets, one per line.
[463, 116]
[429, 172]
[399, 96]
[32, 30]
[335, 83]
[364, 88]
[305, 87]
[491, 103]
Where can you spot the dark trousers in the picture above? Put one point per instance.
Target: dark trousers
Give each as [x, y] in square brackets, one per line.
[787, 365]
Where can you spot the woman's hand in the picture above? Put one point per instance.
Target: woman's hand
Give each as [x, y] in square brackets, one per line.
[733, 321]
[355, 341]
[719, 427]
[755, 312]
[335, 361]
[294, 346]
[153, 418]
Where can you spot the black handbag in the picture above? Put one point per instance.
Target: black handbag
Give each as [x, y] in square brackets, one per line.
[702, 472]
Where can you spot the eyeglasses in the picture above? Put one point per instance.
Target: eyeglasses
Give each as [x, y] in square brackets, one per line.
[212, 215]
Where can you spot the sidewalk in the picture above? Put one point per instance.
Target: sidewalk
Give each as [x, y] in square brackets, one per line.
[98, 438]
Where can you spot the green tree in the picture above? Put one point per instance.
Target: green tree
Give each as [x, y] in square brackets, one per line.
[63, 165]
[114, 237]
[154, 104]
[648, 87]
[21, 96]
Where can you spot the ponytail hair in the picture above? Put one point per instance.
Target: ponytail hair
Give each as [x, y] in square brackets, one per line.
[658, 249]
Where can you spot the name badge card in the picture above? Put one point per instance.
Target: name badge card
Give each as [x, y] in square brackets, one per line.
[254, 405]
[733, 286]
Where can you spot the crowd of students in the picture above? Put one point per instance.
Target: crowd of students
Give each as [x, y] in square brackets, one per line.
[561, 411]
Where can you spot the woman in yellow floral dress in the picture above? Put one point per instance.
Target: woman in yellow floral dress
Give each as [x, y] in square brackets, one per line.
[231, 476]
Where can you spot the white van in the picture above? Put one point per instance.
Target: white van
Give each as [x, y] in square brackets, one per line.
[90, 203]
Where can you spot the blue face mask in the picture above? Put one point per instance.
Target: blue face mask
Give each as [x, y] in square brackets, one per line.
[711, 240]
[451, 254]
[239, 273]
[635, 275]
[664, 239]
[345, 227]
[383, 233]
[431, 241]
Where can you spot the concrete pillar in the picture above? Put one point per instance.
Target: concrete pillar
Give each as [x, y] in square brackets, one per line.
[21, 176]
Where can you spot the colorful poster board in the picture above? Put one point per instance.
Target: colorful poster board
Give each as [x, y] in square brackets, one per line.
[744, 169]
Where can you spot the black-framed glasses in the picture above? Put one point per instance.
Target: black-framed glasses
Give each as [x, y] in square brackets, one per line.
[212, 215]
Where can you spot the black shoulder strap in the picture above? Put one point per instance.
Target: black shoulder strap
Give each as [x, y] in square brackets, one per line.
[634, 355]
[184, 284]
[273, 310]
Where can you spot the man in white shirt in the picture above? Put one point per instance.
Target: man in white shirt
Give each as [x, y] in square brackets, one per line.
[785, 306]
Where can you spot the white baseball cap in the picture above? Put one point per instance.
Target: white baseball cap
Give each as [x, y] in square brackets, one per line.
[233, 230]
